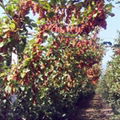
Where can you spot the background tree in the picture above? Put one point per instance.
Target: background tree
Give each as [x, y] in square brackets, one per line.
[110, 83]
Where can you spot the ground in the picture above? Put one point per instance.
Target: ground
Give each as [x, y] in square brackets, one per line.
[94, 109]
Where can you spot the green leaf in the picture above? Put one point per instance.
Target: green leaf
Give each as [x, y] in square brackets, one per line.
[26, 62]
[12, 26]
[33, 24]
[41, 21]
[8, 89]
[53, 1]
[50, 14]
[23, 73]
[109, 7]
[1, 44]
[45, 4]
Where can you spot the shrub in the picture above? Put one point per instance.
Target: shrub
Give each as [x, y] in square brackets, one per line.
[58, 65]
[110, 84]
[49, 87]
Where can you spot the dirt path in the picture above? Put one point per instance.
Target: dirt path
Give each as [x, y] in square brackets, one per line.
[96, 109]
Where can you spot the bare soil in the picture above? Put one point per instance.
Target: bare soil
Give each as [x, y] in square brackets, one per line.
[94, 109]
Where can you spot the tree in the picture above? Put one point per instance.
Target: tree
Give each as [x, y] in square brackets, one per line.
[110, 83]
[57, 63]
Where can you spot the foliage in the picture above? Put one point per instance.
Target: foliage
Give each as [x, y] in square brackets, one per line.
[109, 85]
[115, 117]
[58, 62]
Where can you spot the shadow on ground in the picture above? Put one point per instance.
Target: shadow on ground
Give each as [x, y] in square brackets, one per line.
[92, 108]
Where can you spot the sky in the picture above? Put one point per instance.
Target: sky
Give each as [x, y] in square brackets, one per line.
[113, 24]
[110, 34]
